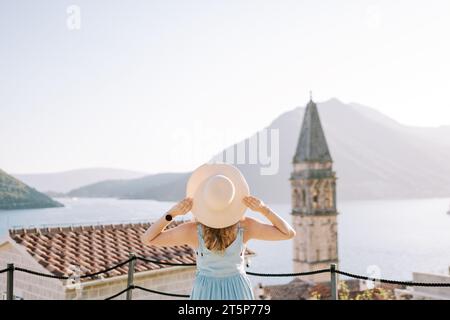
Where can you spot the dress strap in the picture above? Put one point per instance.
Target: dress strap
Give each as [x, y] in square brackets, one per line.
[240, 231]
[200, 234]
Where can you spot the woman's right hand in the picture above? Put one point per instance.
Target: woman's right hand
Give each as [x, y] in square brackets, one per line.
[181, 208]
[254, 203]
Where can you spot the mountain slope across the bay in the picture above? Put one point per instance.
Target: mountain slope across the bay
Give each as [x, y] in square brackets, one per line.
[61, 182]
[374, 157]
[163, 187]
[15, 194]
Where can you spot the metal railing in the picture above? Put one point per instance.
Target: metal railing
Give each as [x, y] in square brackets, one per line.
[334, 272]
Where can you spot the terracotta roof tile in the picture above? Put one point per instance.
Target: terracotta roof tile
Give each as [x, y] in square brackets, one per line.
[299, 289]
[94, 248]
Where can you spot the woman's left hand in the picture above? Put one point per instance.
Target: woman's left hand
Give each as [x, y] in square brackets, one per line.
[182, 207]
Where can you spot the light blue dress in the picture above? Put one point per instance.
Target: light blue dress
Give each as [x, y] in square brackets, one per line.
[221, 276]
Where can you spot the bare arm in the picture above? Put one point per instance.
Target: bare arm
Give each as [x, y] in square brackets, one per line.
[180, 235]
[279, 229]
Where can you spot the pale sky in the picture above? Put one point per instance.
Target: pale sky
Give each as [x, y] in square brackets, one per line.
[164, 85]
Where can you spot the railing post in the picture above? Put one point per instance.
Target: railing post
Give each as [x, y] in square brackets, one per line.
[10, 282]
[131, 275]
[334, 282]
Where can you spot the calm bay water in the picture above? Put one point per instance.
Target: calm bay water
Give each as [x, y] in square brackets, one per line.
[395, 237]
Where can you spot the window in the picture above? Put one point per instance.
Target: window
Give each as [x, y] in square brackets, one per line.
[303, 198]
[315, 197]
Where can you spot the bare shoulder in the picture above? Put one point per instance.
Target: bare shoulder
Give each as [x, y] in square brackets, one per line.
[248, 222]
[188, 230]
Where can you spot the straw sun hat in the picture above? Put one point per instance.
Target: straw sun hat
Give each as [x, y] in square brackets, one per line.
[217, 191]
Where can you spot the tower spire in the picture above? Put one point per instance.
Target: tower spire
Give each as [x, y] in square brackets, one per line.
[312, 145]
[314, 212]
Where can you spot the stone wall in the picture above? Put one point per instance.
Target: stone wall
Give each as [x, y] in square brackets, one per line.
[174, 280]
[431, 292]
[315, 244]
[28, 286]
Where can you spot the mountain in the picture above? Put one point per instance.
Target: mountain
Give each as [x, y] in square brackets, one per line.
[374, 157]
[437, 135]
[163, 187]
[61, 182]
[14, 194]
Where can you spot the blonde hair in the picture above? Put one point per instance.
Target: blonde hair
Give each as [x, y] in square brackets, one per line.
[219, 239]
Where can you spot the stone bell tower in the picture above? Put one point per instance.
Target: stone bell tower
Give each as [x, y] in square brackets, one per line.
[314, 214]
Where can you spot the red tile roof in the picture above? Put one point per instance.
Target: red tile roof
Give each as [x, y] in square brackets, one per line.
[94, 248]
[299, 289]
[296, 289]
